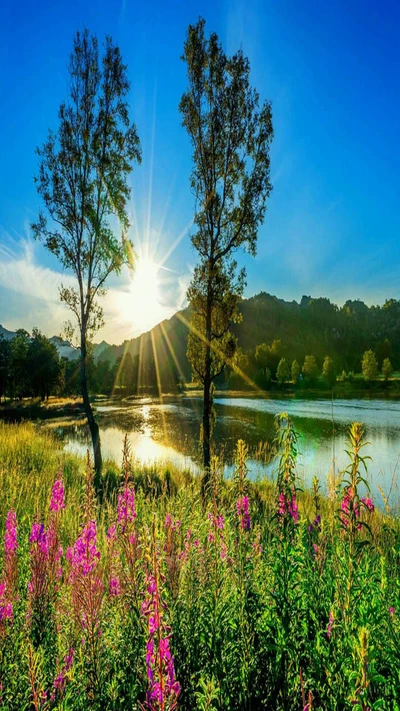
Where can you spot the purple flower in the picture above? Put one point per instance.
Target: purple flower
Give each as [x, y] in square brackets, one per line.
[39, 536]
[57, 496]
[84, 555]
[10, 536]
[126, 507]
[242, 509]
[391, 610]
[60, 680]
[115, 587]
[368, 503]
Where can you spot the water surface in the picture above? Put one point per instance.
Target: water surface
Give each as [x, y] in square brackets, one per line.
[168, 431]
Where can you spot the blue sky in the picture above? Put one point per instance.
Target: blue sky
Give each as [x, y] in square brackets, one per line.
[332, 72]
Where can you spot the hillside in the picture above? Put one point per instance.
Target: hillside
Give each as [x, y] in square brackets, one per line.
[315, 326]
[312, 327]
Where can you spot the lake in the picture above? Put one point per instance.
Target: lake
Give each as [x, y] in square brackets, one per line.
[168, 431]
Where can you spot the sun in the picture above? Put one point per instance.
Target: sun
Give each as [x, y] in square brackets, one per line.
[142, 304]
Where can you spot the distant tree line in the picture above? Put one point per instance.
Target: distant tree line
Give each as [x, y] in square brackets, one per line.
[30, 366]
[267, 365]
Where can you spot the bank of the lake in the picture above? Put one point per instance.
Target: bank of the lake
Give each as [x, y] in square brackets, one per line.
[166, 431]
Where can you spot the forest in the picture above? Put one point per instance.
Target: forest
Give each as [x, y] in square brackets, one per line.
[271, 330]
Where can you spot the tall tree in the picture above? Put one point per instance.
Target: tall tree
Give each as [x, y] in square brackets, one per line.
[43, 365]
[19, 373]
[283, 371]
[82, 180]
[328, 371]
[369, 365]
[5, 365]
[230, 136]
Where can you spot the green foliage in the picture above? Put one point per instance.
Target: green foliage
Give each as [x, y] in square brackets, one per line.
[387, 369]
[230, 136]
[328, 371]
[310, 368]
[283, 371]
[369, 365]
[295, 371]
[83, 182]
[292, 605]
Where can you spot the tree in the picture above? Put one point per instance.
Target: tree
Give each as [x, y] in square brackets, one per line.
[43, 365]
[283, 371]
[387, 369]
[328, 371]
[310, 370]
[19, 373]
[369, 365]
[295, 371]
[262, 357]
[230, 137]
[5, 365]
[82, 179]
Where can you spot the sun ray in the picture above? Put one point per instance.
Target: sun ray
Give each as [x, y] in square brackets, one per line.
[230, 361]
[159, 385]
[176, 243]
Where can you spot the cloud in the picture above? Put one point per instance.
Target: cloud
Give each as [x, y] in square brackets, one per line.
[32, 295]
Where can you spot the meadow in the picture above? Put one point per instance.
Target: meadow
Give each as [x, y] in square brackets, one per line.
[145, 595]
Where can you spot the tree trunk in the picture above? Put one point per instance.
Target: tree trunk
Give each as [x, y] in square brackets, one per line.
[207, 401]
[93, 426]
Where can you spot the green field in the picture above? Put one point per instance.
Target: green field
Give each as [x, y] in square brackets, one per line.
[250, 601]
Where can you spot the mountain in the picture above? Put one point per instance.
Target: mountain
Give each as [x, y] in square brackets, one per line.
[315, 326]
[7, 335]
[65, 348]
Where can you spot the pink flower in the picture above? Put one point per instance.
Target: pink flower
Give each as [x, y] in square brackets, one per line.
[367, 501]
[57, 496]
[126, 507]
[242, 510]
[84, 555]
[10, 537]
[60, 680]
[391, 610]
[115, 588]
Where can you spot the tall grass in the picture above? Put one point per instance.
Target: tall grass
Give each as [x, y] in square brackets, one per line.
[264, 598]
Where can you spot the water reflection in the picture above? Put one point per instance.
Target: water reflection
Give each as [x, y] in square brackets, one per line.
[168, 431]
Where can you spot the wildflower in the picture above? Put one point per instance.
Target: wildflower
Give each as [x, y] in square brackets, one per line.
[60, 680]
[368, 503]
[281, 504]
[115, 587]
[288, 505]
[126, 507]
[391, 610]
[38, 536]
[10, 537]
[112, 533]
[84, 555]
[6, 607]
[242, 509]
[349, 504]
[293, 509]
[57, 496]
[159, 660]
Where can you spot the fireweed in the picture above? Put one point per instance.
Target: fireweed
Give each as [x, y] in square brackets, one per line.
[163, 689]
[87, 593]
[45, 566]
[244, 606]
[10, 571]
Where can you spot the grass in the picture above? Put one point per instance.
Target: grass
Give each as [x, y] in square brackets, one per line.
[263, 597]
